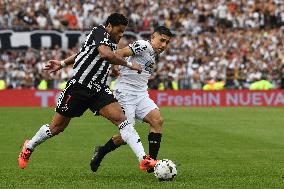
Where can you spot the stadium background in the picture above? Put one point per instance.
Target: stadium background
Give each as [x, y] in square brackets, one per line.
[237, 42]
[234, 42]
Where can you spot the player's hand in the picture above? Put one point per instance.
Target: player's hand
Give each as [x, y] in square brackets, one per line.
[52, 66]
[136, 66]
[115, 72]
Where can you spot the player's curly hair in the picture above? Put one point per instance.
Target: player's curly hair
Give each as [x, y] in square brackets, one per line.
[116, 19]
[163, 30]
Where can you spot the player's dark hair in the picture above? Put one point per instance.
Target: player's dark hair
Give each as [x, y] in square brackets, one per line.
[163, 30]
[116, 19]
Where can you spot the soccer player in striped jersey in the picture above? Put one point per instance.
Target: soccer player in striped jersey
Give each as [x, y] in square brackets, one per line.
[131, 92]
[87, 89]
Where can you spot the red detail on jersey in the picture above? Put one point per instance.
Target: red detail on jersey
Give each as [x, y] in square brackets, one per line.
[68, 98]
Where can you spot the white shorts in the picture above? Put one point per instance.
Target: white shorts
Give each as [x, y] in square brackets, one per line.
[135, 106]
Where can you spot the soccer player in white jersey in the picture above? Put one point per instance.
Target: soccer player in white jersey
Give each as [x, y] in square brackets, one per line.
[131, 93]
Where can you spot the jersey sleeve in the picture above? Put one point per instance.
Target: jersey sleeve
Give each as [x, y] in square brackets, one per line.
[138, 47]
[102, 38]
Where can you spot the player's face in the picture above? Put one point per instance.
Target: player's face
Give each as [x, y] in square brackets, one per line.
[116, 32]
[159, 42]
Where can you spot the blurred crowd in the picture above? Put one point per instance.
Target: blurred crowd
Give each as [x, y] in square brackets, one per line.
[237, 57]
[24, 69]
[237, 42]
[179, 15]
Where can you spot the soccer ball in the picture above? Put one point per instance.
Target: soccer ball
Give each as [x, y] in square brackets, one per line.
[165, 170]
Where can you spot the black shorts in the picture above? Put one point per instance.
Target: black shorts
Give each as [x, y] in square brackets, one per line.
[76, 98]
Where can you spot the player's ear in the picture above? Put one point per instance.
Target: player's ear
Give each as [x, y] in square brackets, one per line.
[109, 27]
[152, 36]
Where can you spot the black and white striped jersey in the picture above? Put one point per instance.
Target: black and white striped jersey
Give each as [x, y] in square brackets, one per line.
[89, 68]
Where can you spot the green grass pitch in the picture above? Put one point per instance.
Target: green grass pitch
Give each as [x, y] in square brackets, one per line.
[212, 147]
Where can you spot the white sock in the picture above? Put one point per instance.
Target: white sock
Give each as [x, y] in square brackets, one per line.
[131, 137]
[42, 135]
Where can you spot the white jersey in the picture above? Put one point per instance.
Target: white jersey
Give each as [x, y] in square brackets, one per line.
[129, 80]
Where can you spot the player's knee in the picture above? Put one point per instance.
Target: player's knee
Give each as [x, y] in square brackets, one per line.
[157, 122]
[161, 121]
[118, 119]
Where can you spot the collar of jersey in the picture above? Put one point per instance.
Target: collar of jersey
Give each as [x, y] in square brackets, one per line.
[152, 49]
[112, 40]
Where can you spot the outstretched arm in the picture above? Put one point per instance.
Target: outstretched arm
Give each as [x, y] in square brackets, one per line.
[124, 52]
[105, 52]
[55, 65]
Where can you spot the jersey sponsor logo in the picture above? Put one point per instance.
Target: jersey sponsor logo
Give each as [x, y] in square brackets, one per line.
[150, 67]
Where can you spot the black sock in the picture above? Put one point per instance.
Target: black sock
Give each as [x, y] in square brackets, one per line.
[109, 146]
[154, 144]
